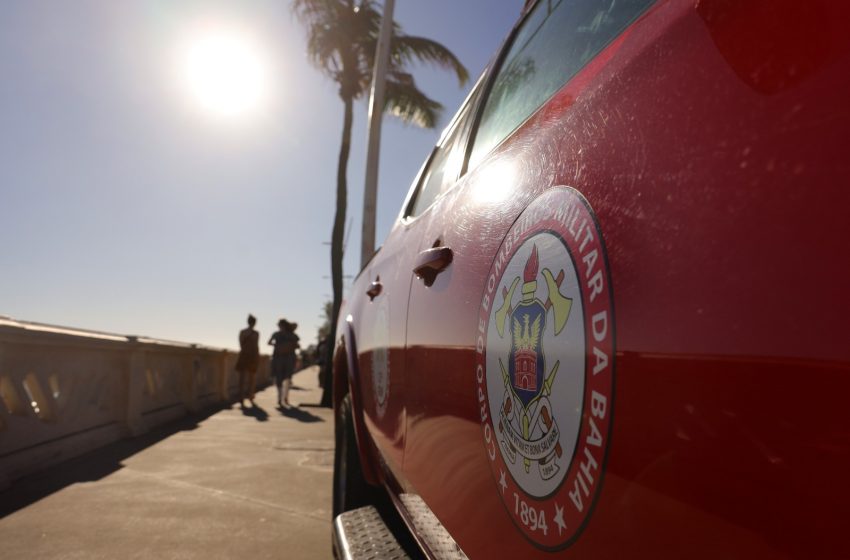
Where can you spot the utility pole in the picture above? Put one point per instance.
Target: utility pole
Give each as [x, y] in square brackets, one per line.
[376, 106]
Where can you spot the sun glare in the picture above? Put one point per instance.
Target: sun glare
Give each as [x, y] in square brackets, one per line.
[225, 72]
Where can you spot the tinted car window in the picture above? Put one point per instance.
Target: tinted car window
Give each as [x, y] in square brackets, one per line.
[444, 168]
[556, 39]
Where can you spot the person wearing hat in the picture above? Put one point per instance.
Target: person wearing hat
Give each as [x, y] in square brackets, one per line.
[285, 341]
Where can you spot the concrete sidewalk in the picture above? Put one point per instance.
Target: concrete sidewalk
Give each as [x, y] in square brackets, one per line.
[253, 483]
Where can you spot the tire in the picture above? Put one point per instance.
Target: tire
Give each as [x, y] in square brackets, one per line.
[350, 490]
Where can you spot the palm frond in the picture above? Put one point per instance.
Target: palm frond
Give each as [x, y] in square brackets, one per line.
[341, 39]
[405, 101]
[405, 49]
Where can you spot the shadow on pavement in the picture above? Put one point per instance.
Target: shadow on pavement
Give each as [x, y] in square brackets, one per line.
[255, 411]
[313, 405]
[299, 414]
[92, 466]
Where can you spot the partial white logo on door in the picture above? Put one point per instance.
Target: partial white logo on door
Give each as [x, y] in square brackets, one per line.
[380, 356]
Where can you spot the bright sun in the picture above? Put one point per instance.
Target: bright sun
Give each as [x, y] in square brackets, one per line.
[225, 72]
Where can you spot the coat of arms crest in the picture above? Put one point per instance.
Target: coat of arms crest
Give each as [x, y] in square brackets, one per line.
[526, 409]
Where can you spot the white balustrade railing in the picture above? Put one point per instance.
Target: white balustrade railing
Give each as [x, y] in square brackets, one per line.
[64, 392]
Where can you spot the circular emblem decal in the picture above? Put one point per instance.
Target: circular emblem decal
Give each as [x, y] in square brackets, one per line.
[545, 367]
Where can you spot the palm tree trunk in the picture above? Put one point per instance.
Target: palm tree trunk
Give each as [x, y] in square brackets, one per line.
[337, 248]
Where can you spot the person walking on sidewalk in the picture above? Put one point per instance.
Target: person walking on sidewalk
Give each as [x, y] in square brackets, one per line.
[285, 341]
[248, 360]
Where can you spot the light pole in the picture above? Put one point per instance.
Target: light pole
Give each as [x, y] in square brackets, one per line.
[376, 110]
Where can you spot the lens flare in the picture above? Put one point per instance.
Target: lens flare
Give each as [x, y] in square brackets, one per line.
[225, 72]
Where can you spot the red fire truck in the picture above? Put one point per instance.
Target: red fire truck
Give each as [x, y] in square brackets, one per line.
[611, 319]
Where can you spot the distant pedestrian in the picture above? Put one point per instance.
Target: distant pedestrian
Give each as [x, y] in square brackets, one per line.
[248, 360]
[322, 359]
[285, 342]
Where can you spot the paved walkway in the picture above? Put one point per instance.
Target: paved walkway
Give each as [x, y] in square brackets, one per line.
[247, 484]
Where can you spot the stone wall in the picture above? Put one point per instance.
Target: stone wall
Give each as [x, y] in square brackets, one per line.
[64, 392]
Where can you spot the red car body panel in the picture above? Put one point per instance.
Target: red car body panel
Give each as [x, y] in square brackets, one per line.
[711, 141]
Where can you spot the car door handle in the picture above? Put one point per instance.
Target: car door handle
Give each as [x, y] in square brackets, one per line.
[431, 262]
[374, 289]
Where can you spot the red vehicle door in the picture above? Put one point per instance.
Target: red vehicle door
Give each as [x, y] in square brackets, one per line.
[381, 316]
[380, 337]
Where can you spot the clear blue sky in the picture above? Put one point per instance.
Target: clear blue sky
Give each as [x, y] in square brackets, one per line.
[125, 207]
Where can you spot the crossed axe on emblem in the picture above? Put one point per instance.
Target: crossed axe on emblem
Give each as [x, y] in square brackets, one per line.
[561, 304]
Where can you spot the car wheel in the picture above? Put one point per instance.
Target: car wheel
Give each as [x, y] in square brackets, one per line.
[350, 489]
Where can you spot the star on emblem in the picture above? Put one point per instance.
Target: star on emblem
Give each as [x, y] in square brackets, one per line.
[502, 482]
[559, 519]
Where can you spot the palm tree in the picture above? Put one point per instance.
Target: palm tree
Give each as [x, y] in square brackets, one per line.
[341, 40]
